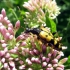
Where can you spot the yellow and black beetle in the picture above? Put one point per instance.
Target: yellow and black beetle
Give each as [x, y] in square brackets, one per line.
[46, 36]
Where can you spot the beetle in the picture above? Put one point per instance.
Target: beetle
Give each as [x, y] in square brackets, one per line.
[45, 36]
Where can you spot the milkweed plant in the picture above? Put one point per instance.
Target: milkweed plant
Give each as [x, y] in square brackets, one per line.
[24, 51]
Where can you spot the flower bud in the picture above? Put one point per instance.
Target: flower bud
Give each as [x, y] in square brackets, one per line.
[4, 45]
[44, 49]
[2, 53]
[14, 68]
[54, 53]
[3, 12]
[37, 60]
[1, 24]
[7, 35]
[49, 55]
[22, 67]
[35, 52]
[49, 65]
[44, 64]
[6, 21]
[62, 61]
[12, 64]
[7, 55]
[54, 61]
[2, 41]
[28, 6]
[13, 51]
[33, 59]
[10, 59]
[11, 37]
[61, 66]
[20, 37]
[31, 52]
[58, 57]
[10, 30]
[47, 59]
[1, 17]
[10, 25]
[43, 58]
[5, 65]
[23, 44]
[17, 25]
[21, 62]
[5, 49]
[49, 68]
[58, 68]
[28, 61]
[3, 30]
[3, 60]
[30, 69]
[55, 65]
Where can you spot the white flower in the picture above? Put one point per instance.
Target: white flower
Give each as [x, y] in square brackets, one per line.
[38, 10]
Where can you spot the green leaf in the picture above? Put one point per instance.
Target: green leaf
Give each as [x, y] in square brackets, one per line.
[50, 23]
[68, 61]
[1, 65]
[67, 64]
[14, 55]
[68, 28]
[38, 45]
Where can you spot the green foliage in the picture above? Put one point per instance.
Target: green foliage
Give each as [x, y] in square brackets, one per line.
[14, 55]
[38, 46]
[67, 64]
[1, 65]
[50, 23]
[63, 25]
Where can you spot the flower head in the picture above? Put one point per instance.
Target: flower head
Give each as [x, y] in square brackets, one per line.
[38, 10]
[25, 52]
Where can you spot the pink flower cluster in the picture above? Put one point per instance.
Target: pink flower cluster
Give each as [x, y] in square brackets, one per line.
[40, 9]
[23, 52]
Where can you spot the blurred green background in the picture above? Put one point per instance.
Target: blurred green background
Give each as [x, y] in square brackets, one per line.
[15, 11]
[63, 23]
